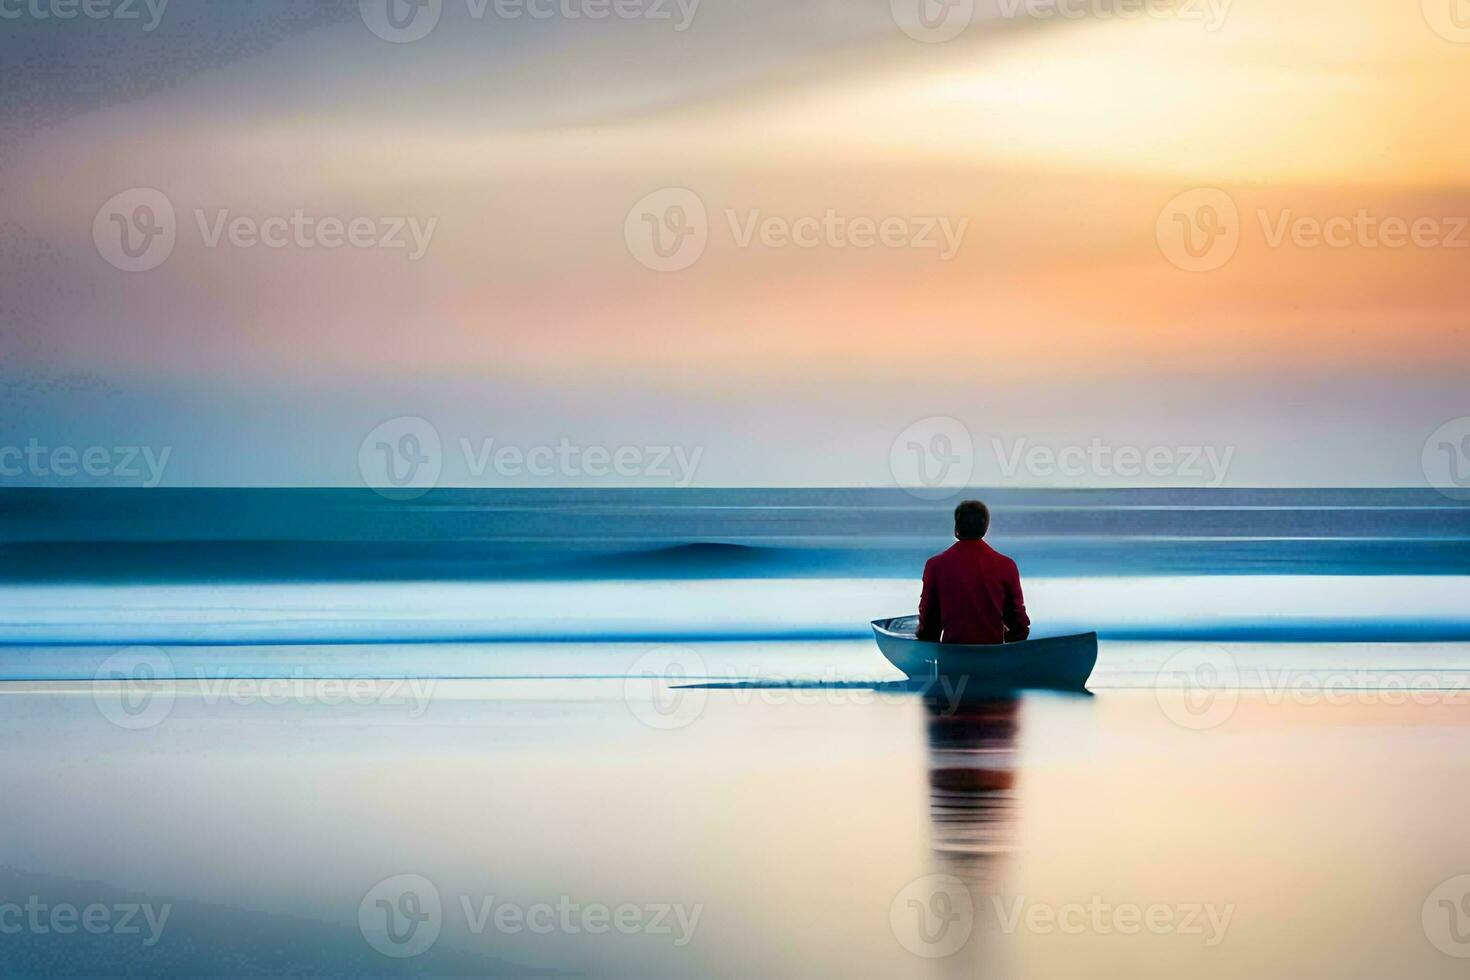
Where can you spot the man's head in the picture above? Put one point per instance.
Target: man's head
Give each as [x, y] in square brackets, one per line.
[971, 520]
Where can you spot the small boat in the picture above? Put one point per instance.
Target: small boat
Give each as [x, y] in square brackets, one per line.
[1052, 663]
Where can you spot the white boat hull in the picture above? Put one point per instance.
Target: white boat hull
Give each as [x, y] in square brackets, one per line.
[1053, 663]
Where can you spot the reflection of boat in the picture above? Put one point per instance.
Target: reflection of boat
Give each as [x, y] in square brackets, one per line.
[972, 780]
[1055, 663]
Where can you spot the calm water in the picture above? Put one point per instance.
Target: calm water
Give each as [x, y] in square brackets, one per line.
[799, 832]
[495, 733]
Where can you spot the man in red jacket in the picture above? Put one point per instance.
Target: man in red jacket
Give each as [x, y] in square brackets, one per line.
[972, 593]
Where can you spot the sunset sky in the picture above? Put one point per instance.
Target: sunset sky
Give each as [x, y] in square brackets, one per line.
[1057, 144]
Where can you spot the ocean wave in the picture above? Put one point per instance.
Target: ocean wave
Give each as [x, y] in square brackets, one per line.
[330, 535]
[1322, 608]
[174, 561]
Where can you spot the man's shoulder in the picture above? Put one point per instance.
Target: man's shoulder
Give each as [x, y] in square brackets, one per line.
[1006, 563]
[937, 564]
[1004, 559]
[995, 558]
[946, 555]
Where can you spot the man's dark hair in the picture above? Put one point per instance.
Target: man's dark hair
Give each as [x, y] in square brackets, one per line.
[971, 520]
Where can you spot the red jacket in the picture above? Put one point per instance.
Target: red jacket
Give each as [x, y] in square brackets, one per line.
[972, 594]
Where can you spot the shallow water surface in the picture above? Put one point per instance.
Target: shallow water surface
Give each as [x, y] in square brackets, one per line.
[616, 824]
